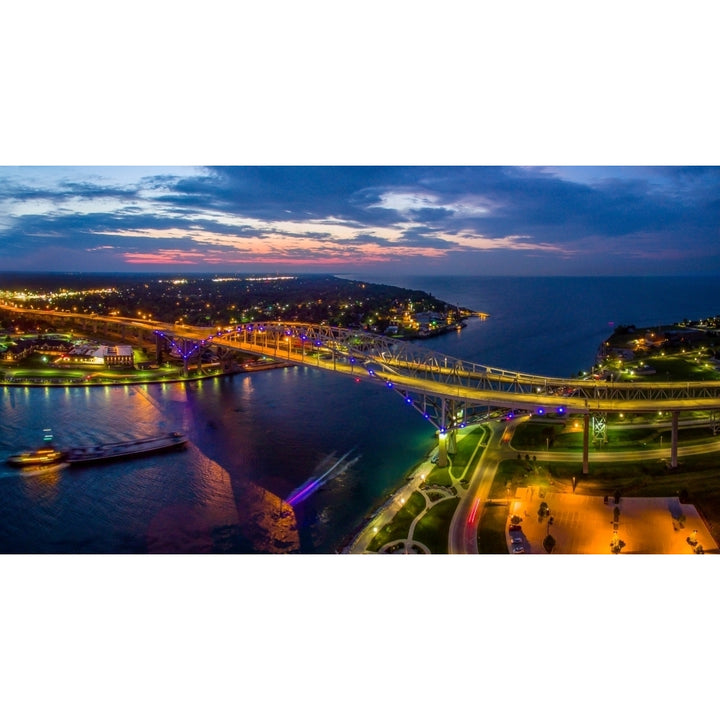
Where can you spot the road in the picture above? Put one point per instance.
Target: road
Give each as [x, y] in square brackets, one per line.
[462, 536]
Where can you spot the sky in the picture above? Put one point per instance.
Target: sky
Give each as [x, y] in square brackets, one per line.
[380, 220]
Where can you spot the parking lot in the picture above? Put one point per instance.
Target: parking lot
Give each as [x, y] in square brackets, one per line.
[585, 524]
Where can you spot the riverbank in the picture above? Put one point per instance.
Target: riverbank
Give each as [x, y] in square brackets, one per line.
[104, 381]
[370, 525]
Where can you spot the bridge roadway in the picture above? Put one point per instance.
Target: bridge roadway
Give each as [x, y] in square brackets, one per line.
[448, 391]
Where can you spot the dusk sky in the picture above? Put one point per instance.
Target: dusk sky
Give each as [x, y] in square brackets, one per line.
[481, 220]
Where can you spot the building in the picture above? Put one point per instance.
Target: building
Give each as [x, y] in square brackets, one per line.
[92, 354]
[17, 350]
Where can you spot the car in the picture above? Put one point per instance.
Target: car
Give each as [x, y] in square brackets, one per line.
[515, 528]
[517, 545]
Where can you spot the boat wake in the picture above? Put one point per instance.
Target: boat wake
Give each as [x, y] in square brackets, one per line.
[312, 484]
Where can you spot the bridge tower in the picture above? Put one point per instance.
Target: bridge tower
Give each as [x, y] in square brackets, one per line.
[185, 347]
[447, 433]
[674, 440]
[599, 428]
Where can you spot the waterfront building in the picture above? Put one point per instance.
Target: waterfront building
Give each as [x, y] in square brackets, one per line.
[93, 354]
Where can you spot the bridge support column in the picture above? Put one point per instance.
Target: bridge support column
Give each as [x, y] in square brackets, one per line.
[452, 442]
[442, 450]
[158, 348]
[586, 443]
[599, 427]
[186, 359]
[674, 440]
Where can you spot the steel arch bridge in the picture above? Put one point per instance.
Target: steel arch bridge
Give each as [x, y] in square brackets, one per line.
[449, 392]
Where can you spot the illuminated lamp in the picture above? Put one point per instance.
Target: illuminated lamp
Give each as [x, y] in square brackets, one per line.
[540, 411]
[388, 383]
[408, 400]
[561, 410]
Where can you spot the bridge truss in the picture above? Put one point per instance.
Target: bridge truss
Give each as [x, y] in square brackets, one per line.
[448, 391]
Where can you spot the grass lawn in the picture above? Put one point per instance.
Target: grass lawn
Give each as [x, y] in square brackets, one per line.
[491, 532]
[432, 530]
[676, 367]
[534, 436]
[460, 460]
[399, 527]
[34, 368]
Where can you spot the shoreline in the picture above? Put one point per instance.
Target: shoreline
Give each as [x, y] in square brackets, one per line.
[414, 477]
[64, 382]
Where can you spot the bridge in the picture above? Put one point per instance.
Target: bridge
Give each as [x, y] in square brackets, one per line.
[449, 392]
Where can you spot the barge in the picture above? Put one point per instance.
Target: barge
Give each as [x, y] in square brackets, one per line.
[125, 449]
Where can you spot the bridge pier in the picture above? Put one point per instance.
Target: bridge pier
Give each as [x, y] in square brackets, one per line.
[442, 460]
[159, 342]
[586, 443]
[599, 427]
[187, 352]
[452, 442]
[674, 440]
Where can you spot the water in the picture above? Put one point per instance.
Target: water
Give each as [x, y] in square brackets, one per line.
[257, 437]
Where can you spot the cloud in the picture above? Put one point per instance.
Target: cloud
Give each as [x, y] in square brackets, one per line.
[464, 217]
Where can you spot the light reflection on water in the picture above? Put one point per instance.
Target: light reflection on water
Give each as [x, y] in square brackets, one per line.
[253, 439]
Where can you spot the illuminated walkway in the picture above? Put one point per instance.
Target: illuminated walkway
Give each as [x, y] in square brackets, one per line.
[584, 524]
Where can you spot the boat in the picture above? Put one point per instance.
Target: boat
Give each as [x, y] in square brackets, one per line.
[129, 448]
[40, 456]
[43, 456]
